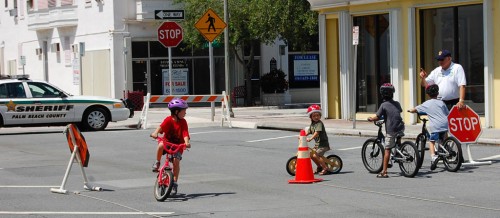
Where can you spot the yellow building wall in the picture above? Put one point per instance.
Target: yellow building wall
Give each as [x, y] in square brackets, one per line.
[333, 68]
[496, 60]
[403, 6]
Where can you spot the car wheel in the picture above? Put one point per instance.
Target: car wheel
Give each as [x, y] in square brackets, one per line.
[95, 119]
[1, 120]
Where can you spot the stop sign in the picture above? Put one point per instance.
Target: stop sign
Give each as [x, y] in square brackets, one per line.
[464, 124]
[170, 34]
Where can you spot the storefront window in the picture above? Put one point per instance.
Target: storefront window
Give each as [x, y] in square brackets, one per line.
[460, 30]
[373, 60]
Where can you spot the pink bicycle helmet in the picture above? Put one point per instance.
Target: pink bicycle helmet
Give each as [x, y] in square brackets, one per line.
[312, 109]
[177, 104]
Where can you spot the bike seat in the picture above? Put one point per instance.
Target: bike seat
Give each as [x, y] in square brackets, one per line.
[400, 134]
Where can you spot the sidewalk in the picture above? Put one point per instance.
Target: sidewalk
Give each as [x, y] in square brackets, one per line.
[284, 119]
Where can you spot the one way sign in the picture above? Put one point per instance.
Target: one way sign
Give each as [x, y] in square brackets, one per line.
[169, 14]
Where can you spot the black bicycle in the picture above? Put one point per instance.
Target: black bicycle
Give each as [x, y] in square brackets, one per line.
[422, 138]
[405, 153]
[448, 149]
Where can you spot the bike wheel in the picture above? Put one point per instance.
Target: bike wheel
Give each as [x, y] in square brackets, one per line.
[420, 143]
[163, 186]
[291, 165]
[410, 160]
[452, 161]
[372, 154]
[336, 163]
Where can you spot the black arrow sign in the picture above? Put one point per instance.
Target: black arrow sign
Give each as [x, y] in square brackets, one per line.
[169, 14]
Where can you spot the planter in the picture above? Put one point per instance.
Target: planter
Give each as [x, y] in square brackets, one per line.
[276, 99]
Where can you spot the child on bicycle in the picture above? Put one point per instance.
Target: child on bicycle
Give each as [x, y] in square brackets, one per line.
[390, 110]
[175, 130]
[437, 112]
[317, 129]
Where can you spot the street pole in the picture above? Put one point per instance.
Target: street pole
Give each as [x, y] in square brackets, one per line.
[226, 59]
[170, 70]
[212, 77]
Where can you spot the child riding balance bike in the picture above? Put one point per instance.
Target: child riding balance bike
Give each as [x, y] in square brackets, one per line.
[330, 164]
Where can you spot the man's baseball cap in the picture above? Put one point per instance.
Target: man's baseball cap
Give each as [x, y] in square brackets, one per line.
[442, 54]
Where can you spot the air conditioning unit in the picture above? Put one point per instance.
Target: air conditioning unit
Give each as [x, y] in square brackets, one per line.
[56, 47]
[13, 12]
[74, 48]
[38, 51]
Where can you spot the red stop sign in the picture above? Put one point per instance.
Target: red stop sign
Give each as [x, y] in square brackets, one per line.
[464, 124]
[170, 34]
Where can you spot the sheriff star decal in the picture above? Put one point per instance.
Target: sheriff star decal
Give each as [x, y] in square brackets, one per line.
[11, 106]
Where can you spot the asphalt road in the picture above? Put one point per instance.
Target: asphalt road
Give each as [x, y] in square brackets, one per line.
[228, 173]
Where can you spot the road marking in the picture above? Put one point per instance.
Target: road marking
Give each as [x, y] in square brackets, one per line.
[222, 131]
[490, 158]
[345, 149]
[268, 139]
[28, 186]
[80, 213]
[409, 197]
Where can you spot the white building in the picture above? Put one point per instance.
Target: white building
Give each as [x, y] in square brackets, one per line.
[120, 49]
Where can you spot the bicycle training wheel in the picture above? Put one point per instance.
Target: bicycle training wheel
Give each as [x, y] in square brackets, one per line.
[420, 143]
[337, 163]
[291, 165]
[409, 164]
[452, 161]
[163, 186]
[372, 154]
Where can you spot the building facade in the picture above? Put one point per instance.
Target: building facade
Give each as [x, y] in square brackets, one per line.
[396, 39]
[109, 47]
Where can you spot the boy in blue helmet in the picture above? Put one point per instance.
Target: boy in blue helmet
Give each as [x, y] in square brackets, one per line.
[394, 125]
[175, 130]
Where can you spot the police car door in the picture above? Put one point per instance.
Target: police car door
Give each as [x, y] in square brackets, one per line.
[50, 104]
[12, 102]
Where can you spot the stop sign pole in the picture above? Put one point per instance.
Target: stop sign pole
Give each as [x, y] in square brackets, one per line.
[465, 125]
[170, 35]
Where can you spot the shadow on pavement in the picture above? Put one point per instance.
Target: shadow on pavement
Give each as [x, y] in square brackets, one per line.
[185, 197]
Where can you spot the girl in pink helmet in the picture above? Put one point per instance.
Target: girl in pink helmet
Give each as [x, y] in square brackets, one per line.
[175, 130]
[317, 129]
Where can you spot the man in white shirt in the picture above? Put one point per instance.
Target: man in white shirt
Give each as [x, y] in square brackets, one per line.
[450, 77]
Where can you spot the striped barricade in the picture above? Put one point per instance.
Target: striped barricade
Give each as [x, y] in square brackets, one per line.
[164, 99]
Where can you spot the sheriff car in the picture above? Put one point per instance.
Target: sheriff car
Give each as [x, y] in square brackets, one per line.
[25, 102]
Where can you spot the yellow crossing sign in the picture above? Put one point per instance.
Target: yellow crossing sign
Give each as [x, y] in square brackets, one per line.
[210, 25]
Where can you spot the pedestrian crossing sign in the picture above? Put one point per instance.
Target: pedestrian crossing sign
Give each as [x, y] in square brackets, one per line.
[210, 25]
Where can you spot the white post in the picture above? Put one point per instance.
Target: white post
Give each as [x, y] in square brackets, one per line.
[471, 161]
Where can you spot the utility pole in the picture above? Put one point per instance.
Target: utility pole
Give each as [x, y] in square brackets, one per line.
[226, 58]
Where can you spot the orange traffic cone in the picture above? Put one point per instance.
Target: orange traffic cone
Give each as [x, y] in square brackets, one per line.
[303, 171]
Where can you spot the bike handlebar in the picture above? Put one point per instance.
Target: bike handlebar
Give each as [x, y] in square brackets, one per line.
[172, 148]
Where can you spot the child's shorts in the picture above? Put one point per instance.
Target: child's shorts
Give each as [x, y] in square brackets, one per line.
[390, 141]
[321, 151]
[437, 135]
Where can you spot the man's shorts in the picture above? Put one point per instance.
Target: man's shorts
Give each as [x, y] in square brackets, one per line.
[437, 135]
[321, 151]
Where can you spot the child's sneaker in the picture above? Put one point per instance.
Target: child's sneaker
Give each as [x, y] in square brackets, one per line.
[155, 166]
[434, 162]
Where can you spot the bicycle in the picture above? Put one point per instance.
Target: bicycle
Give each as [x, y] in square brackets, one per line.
[165, 178]
[333, 162]
[448, 149]
[405, 153]
[421, 139]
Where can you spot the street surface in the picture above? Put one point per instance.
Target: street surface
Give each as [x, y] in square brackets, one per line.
[228, 173]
